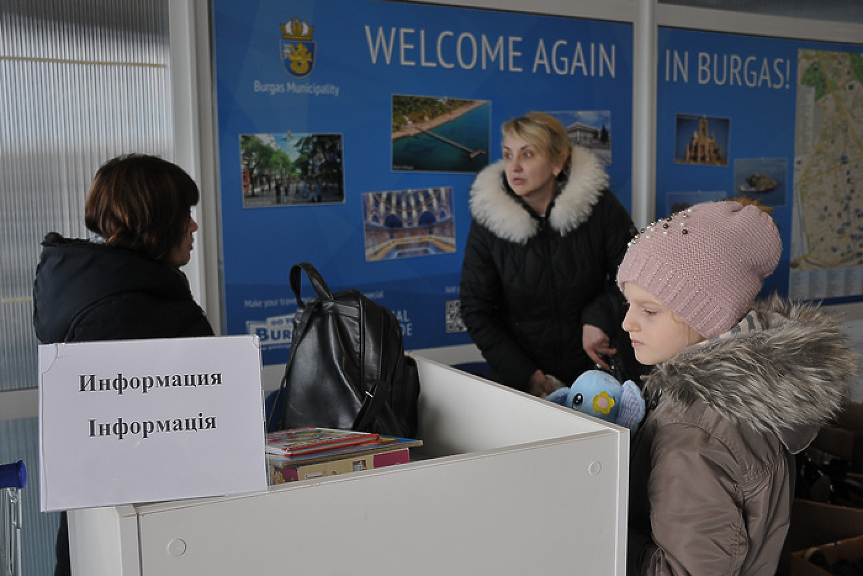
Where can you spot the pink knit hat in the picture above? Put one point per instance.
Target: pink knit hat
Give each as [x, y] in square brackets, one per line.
[705, 263]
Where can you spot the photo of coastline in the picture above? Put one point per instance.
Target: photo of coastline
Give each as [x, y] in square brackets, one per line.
[408, 223]
[440, 134]
[288, 169]
[761, 179]
[589, 129]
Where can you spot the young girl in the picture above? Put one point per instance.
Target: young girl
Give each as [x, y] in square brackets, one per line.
[738, 388]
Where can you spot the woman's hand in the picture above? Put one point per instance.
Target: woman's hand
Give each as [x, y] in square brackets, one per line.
[540, 384]
[597, 344]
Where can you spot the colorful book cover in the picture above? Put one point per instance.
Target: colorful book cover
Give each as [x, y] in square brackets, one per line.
[391, 450]
[290, 471]
[299, 441]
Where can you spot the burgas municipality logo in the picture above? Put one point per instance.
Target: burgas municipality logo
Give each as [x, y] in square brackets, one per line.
[298, 49]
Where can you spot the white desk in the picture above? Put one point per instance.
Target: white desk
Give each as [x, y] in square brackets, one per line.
[508, 484]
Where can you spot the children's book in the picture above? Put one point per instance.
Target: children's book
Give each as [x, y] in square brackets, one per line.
[300, 441]
[390, 451]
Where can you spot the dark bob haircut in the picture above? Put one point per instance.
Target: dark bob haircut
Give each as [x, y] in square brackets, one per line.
[141, 203]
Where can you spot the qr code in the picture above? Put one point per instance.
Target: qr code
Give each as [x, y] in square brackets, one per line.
[454, 323]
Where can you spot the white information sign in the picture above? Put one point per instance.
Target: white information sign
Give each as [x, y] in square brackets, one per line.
[133, 421]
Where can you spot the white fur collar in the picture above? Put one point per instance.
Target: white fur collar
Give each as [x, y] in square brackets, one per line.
[494, 208]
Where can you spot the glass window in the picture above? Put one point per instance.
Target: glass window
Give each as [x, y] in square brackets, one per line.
[81, 81]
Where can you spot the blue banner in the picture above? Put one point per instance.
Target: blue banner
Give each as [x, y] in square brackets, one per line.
[350, 131]
[768, 119]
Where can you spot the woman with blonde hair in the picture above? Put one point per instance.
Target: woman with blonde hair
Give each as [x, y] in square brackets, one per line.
[537, 293]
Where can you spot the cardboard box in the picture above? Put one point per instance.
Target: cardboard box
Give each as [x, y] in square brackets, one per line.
[851, 417]
[814, 524]
[842, 443]
[844, 438]
[850, 549]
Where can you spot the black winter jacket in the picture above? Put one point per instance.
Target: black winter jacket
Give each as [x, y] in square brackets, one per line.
[529, 283]
[88, 291]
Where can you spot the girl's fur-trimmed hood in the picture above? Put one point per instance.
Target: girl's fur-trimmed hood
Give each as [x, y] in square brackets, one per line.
[791, 375]
[502, 213]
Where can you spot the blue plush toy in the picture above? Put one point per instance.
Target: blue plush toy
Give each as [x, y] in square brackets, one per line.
[599, 394]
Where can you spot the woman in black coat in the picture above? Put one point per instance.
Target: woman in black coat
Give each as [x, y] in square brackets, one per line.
[125, 283]
[546, 239]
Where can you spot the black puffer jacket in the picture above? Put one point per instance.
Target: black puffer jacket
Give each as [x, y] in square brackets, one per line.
[528, 283]
[87, 291]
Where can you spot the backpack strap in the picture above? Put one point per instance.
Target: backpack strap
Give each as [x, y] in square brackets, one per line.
[299, 330]
[375, 400]
[377, 389]
[317, 280]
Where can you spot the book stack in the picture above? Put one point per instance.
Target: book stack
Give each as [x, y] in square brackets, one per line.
[305, 453]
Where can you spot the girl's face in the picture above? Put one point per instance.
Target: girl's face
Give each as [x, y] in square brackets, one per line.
[530, 173]
[657, 333]
[182, 252]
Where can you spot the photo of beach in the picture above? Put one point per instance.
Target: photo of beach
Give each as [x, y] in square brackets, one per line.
[408, 223]
[440, 134]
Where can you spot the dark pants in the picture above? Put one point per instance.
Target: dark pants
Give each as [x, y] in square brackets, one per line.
[61, 549]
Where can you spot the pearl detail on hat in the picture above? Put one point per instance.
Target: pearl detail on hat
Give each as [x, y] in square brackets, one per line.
[645, 232]
[710, 272]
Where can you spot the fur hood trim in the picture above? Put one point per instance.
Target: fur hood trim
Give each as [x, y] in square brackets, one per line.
[792, 373]
[502, 213]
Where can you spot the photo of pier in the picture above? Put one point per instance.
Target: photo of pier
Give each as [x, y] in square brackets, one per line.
[440, 134]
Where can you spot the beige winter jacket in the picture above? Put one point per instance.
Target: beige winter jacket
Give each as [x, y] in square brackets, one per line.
[712, 473]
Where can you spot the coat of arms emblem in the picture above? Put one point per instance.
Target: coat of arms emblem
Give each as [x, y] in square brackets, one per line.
[298, 49]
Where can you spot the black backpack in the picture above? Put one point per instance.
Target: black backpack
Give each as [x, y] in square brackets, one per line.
[347, 368]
